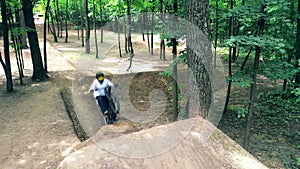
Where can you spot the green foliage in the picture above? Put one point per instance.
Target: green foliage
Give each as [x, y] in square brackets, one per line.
[274, 70]
[182, 112]
[240, 111]
[297, 94]
[241, 78]
[182, 58]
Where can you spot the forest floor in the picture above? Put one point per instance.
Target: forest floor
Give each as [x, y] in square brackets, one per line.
[36, 131]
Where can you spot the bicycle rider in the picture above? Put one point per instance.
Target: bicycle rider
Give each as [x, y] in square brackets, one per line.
[99, 86]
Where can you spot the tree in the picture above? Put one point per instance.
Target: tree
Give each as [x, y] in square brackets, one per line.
[101, 21]
[87, 27]
[199, 55]
[175, 73]
[298, 45]
[81, 23]
[23, 39]
[261, 24]
[39, 72]
[95, 28]
[45, 34]
[6, 65]
[66, 21]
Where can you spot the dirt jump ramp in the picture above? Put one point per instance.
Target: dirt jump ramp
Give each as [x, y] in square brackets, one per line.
[178, 145]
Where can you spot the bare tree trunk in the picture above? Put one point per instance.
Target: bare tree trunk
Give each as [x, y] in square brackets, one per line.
[87, 28]
[253, 85]
[216, 33]
[125, 34]
[39, 72]
[119, 38]
[6, 65]
[53, 29]
[95, 30]
[130, 46]
[15, 42]
[57, 14]
[81, 23]
[45, 35]
[66, 21]
[152, 29]
[23, 36]
[175, 73]
[229, 61]
[101, 18]
[199, 57]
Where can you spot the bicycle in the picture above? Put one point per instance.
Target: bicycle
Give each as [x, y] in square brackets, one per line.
[110, 118]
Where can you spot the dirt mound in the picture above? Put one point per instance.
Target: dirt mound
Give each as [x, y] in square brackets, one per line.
[110, 148]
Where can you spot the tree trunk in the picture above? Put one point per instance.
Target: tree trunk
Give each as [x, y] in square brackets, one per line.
[130, 46]
[297, 80]
[53, 29]
[81, 23]
[7, 64]
[216, 33]
[45, 35]
[261, 24]
[87, 28]
[23, 36]
[162, 53]
[14, 38]
[101, 21]
[66, 21]
[39, 72]
[175, 73]
[119, 38]
[152, 28]
[95, 30]
[57, 14]
[199, 56]
[230, 60]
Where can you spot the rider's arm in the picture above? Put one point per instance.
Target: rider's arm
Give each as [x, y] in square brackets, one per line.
[92, 87]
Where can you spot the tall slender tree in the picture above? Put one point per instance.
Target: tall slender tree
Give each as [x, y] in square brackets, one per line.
[298, 45]
[45, 35]
[101, 21]
[175, 73]
[6, 65]
[95, 29]
[66, 21]
[39, 72]
[87, 27]
[261, 24]
[81, 23]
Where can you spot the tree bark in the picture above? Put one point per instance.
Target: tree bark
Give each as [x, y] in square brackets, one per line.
[7, 64]
[66, 21]
[95, 30]
[45, 35]
[199, 56]
[101, 23]
[119, 38]
[87, 28]
[23, 36]
[39, 72]
[81, 24]
[53, 29]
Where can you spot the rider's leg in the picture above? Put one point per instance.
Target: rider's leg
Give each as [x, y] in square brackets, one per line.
[102, 102]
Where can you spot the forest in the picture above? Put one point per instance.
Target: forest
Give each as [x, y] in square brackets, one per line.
[258, 42]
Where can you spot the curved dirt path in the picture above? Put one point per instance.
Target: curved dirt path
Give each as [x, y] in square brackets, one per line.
[36, 131]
